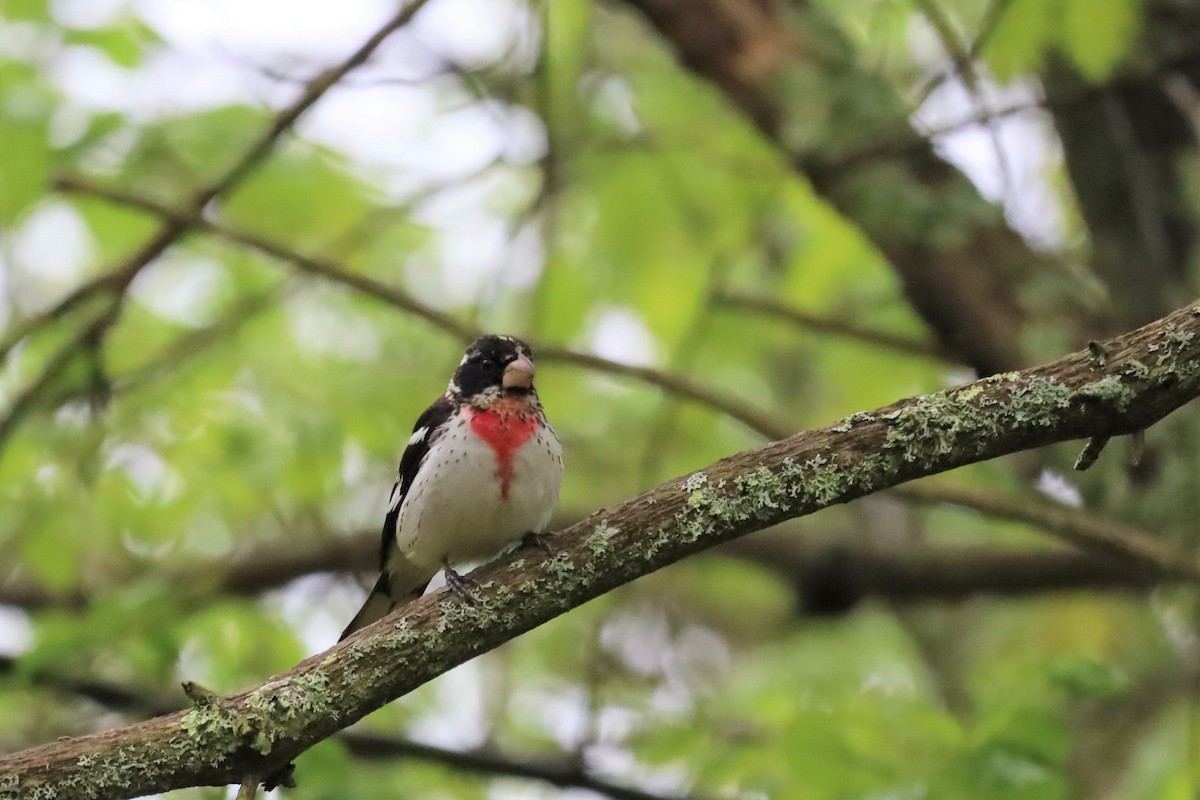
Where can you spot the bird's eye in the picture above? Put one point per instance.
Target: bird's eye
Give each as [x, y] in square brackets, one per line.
[488, 365]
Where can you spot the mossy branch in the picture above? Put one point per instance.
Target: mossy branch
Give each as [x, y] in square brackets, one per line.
[1148, 373]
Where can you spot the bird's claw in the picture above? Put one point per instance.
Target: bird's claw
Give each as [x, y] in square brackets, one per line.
[542, 541]
[461, 586]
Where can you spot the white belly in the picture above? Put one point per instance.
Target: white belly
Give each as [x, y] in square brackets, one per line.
[455, 510]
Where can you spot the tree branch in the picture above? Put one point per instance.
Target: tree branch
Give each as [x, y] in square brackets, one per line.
[828, 577]
[840, 578]
[789, 69]
[1149, 373]
[1094, 532]
[560, 772]
[116, 280]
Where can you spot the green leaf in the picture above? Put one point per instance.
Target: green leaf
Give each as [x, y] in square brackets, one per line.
[302, 196]
[1020, 38]
[25, 108]
[124, 44]
[25, 10]
[50, 555]
[116, 230]
[1098, 35]
[1087, 678]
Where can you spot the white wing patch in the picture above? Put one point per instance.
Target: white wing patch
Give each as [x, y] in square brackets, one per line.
[418, 436]
[397, 495]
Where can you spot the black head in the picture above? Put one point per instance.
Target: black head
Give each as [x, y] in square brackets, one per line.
[494, 365]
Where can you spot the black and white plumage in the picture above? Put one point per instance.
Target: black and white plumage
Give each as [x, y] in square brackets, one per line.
[482, 469]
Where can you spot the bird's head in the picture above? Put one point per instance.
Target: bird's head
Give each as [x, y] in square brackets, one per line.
[492, 367]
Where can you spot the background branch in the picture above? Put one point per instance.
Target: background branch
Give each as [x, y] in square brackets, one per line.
[837, 327]
[754, 418]
[565, 772]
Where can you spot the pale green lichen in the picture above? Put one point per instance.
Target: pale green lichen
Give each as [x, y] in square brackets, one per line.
[217, 724]
[1136, 369]
[970, 392]
[1037, 401]
[759, 487]
[598, 540]
[459, 612]
[927, 429]
[696, 487]
[825, 482]
[1171, 347]
[1109, 389]
[764, 495]
[849, 422]
[560, 565]
[1171, 359]
[276, 710]
[935, 426]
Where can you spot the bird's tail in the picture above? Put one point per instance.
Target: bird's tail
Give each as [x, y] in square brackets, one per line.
[379, 604]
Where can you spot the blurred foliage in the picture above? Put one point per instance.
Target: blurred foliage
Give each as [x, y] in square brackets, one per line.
[240, 411]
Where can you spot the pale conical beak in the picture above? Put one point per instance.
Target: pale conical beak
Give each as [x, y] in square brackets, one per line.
[518, 374]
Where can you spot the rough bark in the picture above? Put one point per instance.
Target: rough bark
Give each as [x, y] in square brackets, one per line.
[1113, 388]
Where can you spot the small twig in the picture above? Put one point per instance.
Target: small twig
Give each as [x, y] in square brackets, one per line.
[200, 695]
[990, 22]
[964, 67]
[1137, 450]
[1091, 451]
[754, 418]
[310, 265]
[836, 327]
[249, 788]
[24, 402]
[564, 775]
[96, 286]
[314, 91]
[1077, 526]
[176, 353]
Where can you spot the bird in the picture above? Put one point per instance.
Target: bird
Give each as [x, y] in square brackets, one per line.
[482, 470]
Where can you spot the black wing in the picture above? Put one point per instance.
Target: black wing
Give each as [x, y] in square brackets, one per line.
[429, 425]
[428, 428]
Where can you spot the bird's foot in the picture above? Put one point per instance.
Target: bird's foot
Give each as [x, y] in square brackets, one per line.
[542, 541]
[461, 586]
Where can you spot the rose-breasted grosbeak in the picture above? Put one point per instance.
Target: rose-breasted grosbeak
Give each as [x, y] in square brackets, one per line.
[481, 470]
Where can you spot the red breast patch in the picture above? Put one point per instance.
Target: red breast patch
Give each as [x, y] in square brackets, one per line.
[504, 430]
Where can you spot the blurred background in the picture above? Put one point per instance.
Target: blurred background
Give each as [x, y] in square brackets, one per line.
[719, 221]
